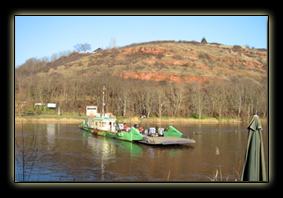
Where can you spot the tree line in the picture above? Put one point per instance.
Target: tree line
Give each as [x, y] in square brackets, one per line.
[237, 98]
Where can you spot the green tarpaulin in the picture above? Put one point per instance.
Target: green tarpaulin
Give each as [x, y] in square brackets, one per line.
[254, 164]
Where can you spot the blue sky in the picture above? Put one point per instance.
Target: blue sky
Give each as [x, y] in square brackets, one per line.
[42, 36]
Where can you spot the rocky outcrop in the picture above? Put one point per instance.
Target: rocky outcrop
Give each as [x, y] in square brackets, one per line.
[154, 50]
[250, 63]
[126, 51]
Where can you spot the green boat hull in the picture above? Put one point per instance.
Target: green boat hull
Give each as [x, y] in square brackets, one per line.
[172, 132]
[172, 136]
[132, 135]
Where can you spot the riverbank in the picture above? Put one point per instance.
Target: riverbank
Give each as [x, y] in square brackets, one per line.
[187, 120]
[180, 120]
[77, 119]
[43, 118]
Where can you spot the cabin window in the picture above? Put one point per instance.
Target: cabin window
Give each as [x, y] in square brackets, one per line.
[103, 124]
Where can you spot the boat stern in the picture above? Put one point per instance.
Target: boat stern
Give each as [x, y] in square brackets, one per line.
[172, 132]
[136, 136]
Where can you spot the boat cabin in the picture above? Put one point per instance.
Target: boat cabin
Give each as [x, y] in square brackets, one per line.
[106, 124]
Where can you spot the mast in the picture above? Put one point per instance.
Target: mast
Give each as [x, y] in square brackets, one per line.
[103, 91]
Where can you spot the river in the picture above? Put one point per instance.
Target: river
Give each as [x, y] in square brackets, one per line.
[66, 153]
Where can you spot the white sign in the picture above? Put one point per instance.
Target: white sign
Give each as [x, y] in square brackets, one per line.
[51, 105]
[39, 104]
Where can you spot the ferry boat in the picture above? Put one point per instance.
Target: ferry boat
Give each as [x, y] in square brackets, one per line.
[105, 126]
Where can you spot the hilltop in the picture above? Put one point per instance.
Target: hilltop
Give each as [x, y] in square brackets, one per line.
[184, 78]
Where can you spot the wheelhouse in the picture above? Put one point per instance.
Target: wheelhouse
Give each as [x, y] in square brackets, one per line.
[102, 124]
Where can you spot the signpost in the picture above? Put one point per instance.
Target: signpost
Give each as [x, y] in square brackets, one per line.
[51, 105]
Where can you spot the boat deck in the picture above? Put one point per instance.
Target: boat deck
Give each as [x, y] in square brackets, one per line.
[164, 140]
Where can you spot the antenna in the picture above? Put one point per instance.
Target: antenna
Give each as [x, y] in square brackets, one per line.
[103, 92]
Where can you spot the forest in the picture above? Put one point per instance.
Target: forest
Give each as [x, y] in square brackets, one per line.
[240, 97]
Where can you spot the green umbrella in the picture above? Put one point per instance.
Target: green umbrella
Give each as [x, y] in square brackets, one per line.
[254, 164]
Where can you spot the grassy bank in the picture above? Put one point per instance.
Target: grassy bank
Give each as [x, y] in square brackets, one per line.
[45, 118]
[179, 120]
[67, 118]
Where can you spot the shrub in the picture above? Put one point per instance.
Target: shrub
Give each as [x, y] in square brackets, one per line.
[160, 56]
[38, 112]
[236, 48]
[204, 55]
[194, 115]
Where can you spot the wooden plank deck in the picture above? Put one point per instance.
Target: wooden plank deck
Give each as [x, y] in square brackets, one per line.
[165, 140]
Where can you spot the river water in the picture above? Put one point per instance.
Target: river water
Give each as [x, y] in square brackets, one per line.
[66, 153]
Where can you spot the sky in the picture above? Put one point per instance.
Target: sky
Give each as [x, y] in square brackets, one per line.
[42, 36]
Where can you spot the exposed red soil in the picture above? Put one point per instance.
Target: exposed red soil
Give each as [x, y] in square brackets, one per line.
[154, 50]
[249, 52]
[120, 58]
[249, 63]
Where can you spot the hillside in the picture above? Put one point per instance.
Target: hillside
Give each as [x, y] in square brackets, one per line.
[81, 74]
[175, 61]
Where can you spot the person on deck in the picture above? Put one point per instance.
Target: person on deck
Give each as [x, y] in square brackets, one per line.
[141, 129]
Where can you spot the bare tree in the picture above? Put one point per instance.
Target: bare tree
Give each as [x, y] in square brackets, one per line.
[177, 95]
[262, 99]
[212, 97]
[249, 94]
[25, 155]
[148, 100]
[82, 47]
[123, 98]
[161, 101]
[75, 87]
[54, 56]
[221, 97]
[198, 98]
[238, 94]
[258, 98]
[41, 89]
[112, 43]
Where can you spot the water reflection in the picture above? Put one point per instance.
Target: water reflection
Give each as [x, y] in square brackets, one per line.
[50, 137]
[67, 153]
